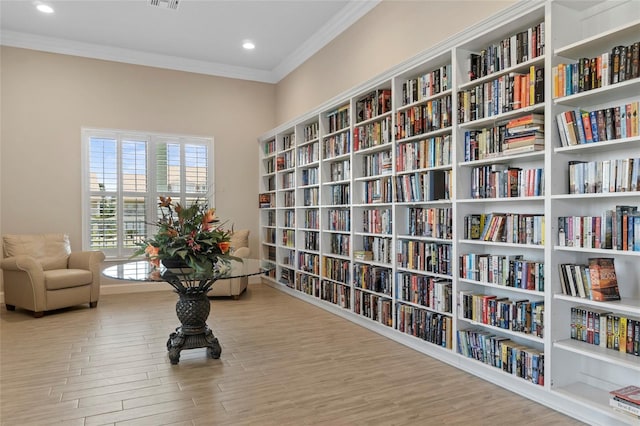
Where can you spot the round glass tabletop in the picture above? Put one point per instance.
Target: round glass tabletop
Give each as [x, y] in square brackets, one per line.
[142, 270]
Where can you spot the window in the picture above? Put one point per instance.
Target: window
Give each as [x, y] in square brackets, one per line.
[123, 175]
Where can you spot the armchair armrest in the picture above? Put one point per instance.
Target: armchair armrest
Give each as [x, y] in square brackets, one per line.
[24, 279]
[23, 263]
[85, 260]
[90, 261]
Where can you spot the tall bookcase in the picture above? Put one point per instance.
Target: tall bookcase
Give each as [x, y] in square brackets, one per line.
[412, 206]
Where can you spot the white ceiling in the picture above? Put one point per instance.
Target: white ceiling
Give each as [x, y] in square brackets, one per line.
[200, 36]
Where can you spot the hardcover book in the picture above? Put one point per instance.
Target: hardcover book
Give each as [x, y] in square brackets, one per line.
[604, 283]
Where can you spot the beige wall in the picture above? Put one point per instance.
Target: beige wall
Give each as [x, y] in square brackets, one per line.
[46, 99]
[393, 32]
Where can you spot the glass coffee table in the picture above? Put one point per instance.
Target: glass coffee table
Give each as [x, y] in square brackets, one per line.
[193, 305]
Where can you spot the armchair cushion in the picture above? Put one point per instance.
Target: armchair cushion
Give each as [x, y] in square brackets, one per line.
[50, 250]
[240, 238]
[66, 278]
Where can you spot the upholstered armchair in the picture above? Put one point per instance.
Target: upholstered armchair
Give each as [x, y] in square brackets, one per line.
[40, 273]
[234, 286]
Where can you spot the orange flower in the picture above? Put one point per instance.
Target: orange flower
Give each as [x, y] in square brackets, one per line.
[164, 201]
[152, 252]
[224, 246]
[207, 218]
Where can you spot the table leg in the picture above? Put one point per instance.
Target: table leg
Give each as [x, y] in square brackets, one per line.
[179, 340]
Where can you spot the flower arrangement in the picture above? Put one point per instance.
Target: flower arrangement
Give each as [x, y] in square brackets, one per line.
[191, 234]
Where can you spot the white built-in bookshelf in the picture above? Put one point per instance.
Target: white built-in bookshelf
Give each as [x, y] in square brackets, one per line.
[412, 206]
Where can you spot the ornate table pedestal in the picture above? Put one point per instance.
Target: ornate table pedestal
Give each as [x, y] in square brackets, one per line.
[193, 310]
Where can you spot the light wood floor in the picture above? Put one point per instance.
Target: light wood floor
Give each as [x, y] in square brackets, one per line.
[284, 362]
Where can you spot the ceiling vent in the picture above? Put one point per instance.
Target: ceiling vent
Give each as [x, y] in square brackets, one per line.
[165, 4]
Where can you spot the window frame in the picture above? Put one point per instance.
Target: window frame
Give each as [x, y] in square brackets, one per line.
[152, 141]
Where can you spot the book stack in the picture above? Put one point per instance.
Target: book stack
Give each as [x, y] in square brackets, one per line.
[626, 400]
[524, 134]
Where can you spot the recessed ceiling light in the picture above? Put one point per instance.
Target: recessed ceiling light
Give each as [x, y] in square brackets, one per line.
[44, 8]
[248, 45]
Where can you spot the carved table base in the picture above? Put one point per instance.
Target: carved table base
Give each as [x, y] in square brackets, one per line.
[181, 340]
[192, 310]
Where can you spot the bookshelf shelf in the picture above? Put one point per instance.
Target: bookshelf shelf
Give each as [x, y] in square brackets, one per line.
[516, 334]
[369, 163]
[599, 353]
[627, 33]
[502, 287]
[601, 95]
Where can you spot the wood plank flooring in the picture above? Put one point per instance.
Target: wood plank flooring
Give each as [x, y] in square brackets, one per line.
[284, 362]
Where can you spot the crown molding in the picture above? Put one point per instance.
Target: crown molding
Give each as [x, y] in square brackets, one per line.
[129, 56]
[352, 12]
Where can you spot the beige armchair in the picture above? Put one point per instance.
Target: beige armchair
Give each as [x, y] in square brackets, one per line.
[234, 286]
[41, 273]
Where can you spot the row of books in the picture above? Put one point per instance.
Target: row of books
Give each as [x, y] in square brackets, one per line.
[289, 218]
[309, 176]
[289, 199]
[431, 292]
[289, 259]
[270, 236]
[287, 277]
[507, 270]
[374, 307]
[618, 65]
[311, 219]
[269, 147]
[311, 240]
[270, 165]
[288, 180]
[285, 161]
[311, 131]
[434, 222]
[339, 194]
[492, 142]
[606, 329]
[336, 270]
[430, 116]
[381, 248]
[377, 221]
[340, 244]
[422, 154]
[340, 170]
[578, 126]
[424, 256]
[335, 293]
[617, 229]
[308, 154]
[288, 141]
[500, 352]
[288, 238]
[310, 197]
[423, 186]
[426, 85]
[374, 278]
[339, 220]
[508, 52]
[595, 281]
[336, 145]
[429, 326]
[377, 163]
[372, 134]
[271, 218]
[503, 94]
[502, 181]
[523, 316]
[378, 191]
[338, 119]
[265, 200]
[505, 227]
[626, 400]
[309, 262]
[373, 104]
[307, 284]
[588, 177]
